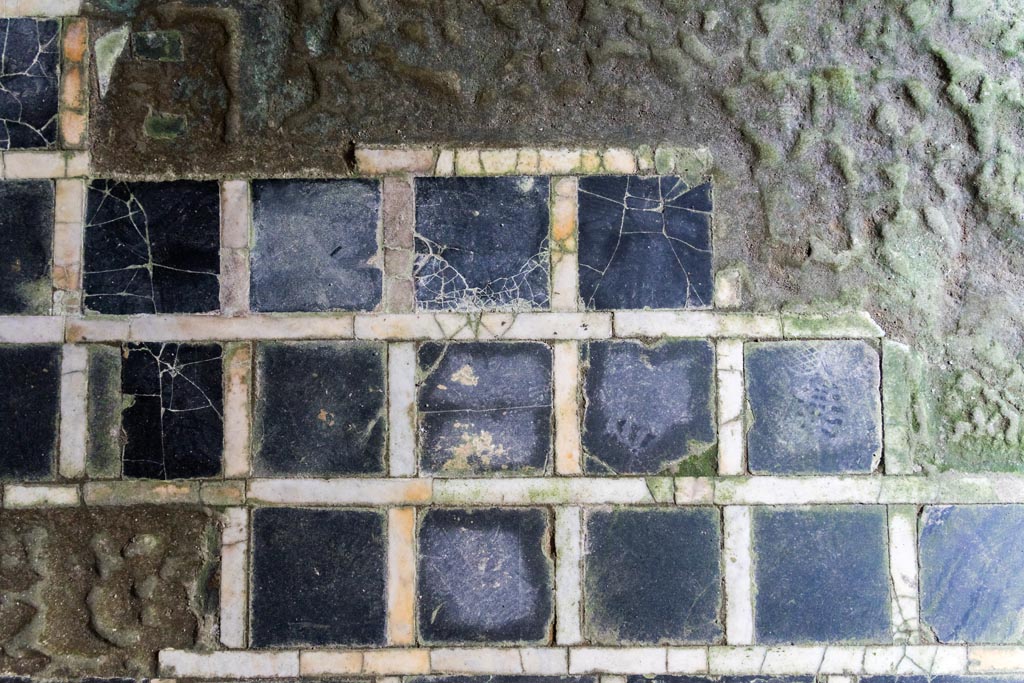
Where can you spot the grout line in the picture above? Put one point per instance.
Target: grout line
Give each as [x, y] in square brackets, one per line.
[401, 591]
[234, 577]
[238, 392]
[568, 575]
[566, 379]
[739, 576]
[74, 393]
[731, 402]
[402, 409]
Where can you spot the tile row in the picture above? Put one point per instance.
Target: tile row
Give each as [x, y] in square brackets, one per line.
[336, 408]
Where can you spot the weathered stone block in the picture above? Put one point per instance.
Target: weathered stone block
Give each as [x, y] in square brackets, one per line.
[28, 82]
[29, 410]
[26, 245]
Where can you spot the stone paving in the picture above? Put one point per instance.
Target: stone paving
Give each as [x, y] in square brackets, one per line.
[461, 416]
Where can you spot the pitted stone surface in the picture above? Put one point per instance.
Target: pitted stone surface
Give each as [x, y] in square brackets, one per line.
[317, 578]
[971, 564]
[29, 64]
[26, 246]
[482, 243]
[30, 376]
[652, 576]
[485, 575]
[821, 574]
[645, 242]
[649, 409]
[320, 408]
[315, 245]
[816, 407]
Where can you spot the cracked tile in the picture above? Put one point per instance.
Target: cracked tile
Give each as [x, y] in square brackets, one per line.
[485, 575]
[649, 409]
[320, 408]
[971, 566]
[29, 61]
[315, 245]
[172, 420]
[484, 407]
[482, 244]
[821, 574]
[152, 247]
[317, 577]
[653, 576]
[26, 246]
[816, 407]
[644, 242]
[29, 410]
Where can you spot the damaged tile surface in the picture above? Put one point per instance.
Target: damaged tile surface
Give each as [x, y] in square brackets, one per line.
[821, 574]
[26, 239]
[317, 577]
[315, 245]
[971, 565]
[644, 242]
[30, 376]
[29, 62]
[152, 247]
[652, 576]
[484, 408]
[485, 575]
[172, 420]
[482, 243]
[320, 408]
[816, 407]
[649, 409]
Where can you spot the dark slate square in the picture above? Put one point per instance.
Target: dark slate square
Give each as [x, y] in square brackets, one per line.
[29, 409]
[484, 407]
[652, 576]
[317, 577]
[644, 242]
[649, 409]
[172, 423]
[320, 408]
[26, 239]
[152, 247]
[821, 574]
[816, 407]
[485, 575]
[972, 561]
[29, 60]
[482, 243]
[315, 245]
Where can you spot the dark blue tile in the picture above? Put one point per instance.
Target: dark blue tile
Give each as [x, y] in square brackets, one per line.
[172, 423]
[320, 408]
[821, 574]
[485, 575]
[644, 242]
[649, 409]
[972, 561]
[317, 577]
[816, 407]
[315, 243]
[30, 376]
[482, 243]
[29, 60]
[652, 576]
[152, 247]
[484, 407]
[26, 236]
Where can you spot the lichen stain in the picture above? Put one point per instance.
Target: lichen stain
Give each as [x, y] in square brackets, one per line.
[478, 447]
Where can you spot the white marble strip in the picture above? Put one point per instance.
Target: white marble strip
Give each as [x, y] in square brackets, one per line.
[19, 496]
[564, 258]
[74, 390]
[37, 165]
[731, 435]
[39, 8]
[31, 329]
[401, 607]
[739, 576]
[234, 588]
[237, 419]
[566, 380]
[568, 575]
[69, 221]
[903, 572]
[402, 409]
[235, 221]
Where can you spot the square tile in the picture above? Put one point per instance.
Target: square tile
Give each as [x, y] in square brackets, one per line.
[653, 576]
[485, 575]
[649, 409]
[484, 407]
[482, 243]
[644, 242]
[816, 407]
[315, 245]
[317, 577]
[821, 574]
[152, 247]
[319, 408]
[172, 421]
[971, 569]
[29, 62]
[26, 246]
[29, 410]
